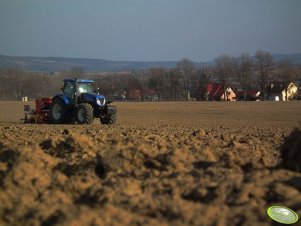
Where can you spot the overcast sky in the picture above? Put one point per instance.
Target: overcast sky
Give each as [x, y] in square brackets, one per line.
[146, 30]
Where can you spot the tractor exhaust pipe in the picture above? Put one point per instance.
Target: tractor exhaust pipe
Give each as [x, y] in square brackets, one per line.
[75, 94]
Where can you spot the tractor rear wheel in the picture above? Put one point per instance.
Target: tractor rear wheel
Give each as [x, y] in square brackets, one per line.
[58, 111]
[84, 114]
[109, 120]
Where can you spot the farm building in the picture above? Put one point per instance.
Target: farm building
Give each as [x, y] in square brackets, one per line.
[251, 95]
[278, 91]
[137, 95]
[150, 95]
[220, 92]
[120, 95]
[134, 95]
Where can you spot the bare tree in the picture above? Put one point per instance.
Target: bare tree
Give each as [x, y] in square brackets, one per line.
[105, 85]
[263, 62]
[243, 72]
[225, 70]
[186, 69]
[135, 83]
[174, 84]
[200, 80]
[7, 89]
[16, 82]
[76, 72]
[157, 81]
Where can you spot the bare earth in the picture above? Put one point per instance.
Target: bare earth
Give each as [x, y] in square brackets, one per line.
[195, 163]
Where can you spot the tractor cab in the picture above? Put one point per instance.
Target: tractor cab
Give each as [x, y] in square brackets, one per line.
[74, 87]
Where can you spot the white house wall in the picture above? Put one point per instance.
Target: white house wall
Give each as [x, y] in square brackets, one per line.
[292, 90]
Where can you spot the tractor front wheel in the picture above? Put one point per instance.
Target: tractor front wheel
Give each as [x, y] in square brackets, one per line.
[109, 120]
[58, 111]
[84, 114]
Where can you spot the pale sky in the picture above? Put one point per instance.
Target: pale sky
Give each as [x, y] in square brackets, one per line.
[148, 30]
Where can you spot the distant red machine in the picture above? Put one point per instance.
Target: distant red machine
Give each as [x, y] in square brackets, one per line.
[41, 114]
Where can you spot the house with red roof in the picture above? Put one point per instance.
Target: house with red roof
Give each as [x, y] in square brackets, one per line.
[220, 92]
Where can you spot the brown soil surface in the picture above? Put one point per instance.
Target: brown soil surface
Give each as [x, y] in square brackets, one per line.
[161, 164]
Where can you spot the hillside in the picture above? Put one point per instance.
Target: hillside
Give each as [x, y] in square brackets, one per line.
[54, 64]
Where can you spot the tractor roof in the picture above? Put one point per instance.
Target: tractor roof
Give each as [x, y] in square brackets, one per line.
[79, 80]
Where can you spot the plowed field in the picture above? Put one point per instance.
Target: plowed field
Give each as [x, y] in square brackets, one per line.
[179, 163]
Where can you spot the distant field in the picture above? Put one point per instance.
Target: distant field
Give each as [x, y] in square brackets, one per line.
[198, 114]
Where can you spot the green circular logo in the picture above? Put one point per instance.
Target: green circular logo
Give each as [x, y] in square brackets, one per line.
[282, 214]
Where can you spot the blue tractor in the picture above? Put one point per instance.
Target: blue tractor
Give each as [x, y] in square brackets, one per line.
[79, 103]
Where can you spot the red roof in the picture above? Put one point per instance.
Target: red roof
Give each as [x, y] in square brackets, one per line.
[250, 93]
[253, 93]
[150, 92]
[216, 90]
[134, 94]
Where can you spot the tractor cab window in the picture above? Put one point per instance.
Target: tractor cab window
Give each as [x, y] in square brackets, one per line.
[85, 88]
[69, 89]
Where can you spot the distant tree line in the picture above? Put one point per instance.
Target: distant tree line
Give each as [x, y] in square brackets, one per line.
[184, 82]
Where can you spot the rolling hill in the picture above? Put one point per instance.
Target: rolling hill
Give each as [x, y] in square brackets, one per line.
[55, 64]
